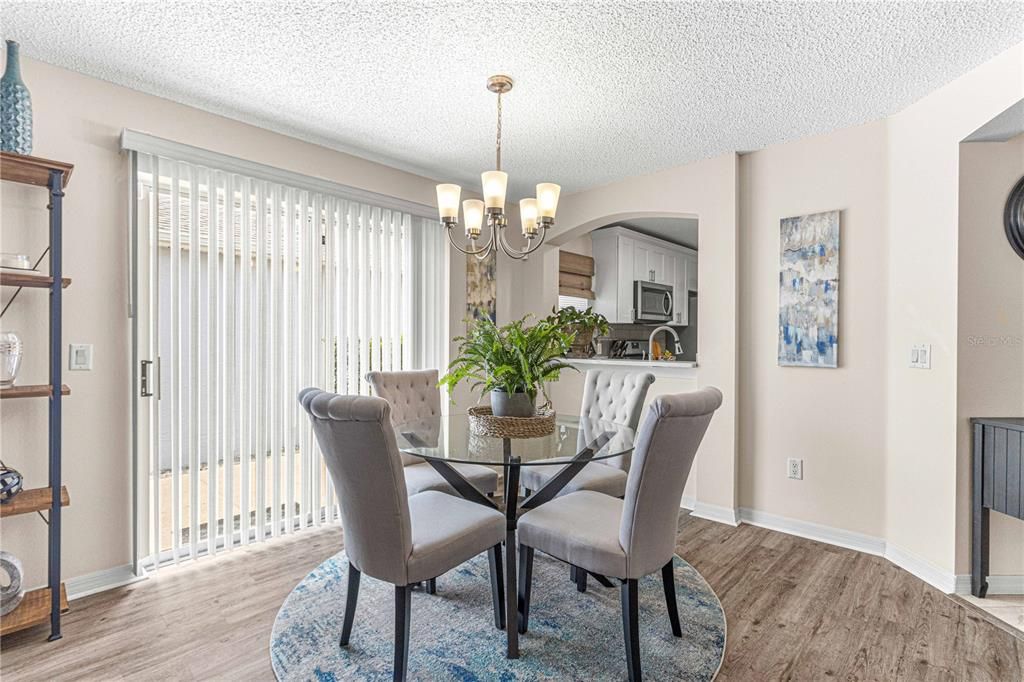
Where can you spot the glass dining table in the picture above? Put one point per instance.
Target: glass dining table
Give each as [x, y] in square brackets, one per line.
[449, 439]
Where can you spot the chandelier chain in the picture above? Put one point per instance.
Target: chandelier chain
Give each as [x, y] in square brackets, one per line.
[497, 141]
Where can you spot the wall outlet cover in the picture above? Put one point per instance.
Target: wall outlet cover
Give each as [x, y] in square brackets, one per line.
[795, 468]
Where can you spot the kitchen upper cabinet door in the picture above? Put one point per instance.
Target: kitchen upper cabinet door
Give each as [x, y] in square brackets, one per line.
[642, 262]
[691, 272]
[656, 264]
[624, 281]
[667, 273]
[680, 299]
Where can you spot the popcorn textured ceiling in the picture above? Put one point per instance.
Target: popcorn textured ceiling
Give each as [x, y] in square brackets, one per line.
[603, 90]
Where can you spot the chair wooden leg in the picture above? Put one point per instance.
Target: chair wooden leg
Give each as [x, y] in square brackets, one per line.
[525, 586]
[432, 586]
[631, 627]
[497, 585]
[668, 579]
[581, 580]
[403, 618]
[350, 603]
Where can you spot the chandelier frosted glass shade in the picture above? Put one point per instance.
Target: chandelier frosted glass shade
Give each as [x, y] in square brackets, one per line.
[448, 201]
[494, 183]
[547, 199]
[473, 214]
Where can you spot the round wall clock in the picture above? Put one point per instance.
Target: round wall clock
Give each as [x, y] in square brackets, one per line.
[1013, 217]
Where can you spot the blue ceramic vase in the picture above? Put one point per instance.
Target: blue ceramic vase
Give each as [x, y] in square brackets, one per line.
[15, 106]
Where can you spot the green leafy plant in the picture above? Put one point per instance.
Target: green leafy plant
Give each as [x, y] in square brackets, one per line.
[516, 358]
[583, 324]
[581, 320]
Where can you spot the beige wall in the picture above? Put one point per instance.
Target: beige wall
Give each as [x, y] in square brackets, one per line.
[923, 177]
[79, 119]
[990, 330]
[706, 190]
[832, 419]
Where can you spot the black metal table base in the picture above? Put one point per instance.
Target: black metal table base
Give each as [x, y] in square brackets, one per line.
[512, 467]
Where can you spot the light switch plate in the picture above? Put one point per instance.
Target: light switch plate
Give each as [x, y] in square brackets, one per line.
[80, 356]
[921, 356]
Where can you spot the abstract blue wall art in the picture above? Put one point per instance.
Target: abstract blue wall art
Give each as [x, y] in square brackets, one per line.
[809, 291]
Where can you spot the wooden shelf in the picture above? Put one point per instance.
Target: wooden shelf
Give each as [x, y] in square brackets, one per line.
[36, 499]
[34, 609]
[26, 279]
[37, 391]
[31, 170]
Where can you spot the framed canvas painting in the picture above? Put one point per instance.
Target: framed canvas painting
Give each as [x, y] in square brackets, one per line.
[809, 291]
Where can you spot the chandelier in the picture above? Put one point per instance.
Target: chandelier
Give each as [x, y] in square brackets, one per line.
[536, 213]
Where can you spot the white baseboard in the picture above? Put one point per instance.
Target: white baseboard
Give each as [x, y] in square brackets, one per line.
[997, 584]
[713, 512]
[107, 579]
[944, 581]
[814, 531]
[688, 502]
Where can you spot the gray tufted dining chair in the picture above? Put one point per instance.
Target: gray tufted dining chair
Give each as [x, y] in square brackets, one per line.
[414, 396]
[390, 535]
[614, 396]
[631, 538]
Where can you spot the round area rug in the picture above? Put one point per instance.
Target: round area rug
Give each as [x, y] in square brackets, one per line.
[572, 636]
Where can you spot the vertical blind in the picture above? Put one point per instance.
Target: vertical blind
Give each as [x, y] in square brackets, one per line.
[257, 289]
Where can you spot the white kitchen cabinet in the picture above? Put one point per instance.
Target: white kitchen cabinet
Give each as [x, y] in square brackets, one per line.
[622, 256]
[681, 296]
[691, 271]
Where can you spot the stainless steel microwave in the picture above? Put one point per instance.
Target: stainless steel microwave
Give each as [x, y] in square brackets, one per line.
[652, 302]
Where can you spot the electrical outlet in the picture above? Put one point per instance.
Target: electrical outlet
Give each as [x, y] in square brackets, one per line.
[80, 356]
[795, 468]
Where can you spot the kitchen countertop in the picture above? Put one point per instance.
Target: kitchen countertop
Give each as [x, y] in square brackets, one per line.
[665, 368]
[634, 363]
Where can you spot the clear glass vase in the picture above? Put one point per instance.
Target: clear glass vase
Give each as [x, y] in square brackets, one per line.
[10, 358]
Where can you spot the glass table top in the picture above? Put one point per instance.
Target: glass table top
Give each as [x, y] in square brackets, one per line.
[450, 438]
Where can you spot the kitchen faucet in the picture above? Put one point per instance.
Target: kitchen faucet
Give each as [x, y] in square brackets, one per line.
[650, 341]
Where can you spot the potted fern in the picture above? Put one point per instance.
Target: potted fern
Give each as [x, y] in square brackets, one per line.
[511, 362]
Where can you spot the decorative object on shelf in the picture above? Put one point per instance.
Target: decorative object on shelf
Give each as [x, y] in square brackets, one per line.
[10, 483]
[16, 261]
[15, 106]
[1013, 217]
[482, 287]
[583, 324]
[516, 358]
[10, 358]
[537, 214]
[483, 422]
[809, 291]
[11, 590]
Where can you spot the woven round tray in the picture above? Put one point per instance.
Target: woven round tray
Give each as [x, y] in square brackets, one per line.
[483, 423]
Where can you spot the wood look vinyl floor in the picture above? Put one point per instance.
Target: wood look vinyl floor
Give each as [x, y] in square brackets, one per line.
[796, 610]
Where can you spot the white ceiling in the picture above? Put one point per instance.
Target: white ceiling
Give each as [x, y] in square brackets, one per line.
[603, 91]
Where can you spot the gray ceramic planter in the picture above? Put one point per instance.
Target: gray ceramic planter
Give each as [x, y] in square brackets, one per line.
[511, 404]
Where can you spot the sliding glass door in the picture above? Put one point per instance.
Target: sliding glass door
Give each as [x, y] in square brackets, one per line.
[247, 290]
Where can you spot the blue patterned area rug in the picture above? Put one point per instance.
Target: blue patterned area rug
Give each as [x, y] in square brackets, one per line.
[572, 636]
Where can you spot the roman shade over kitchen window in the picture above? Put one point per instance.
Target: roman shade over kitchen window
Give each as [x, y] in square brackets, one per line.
[575, 275]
